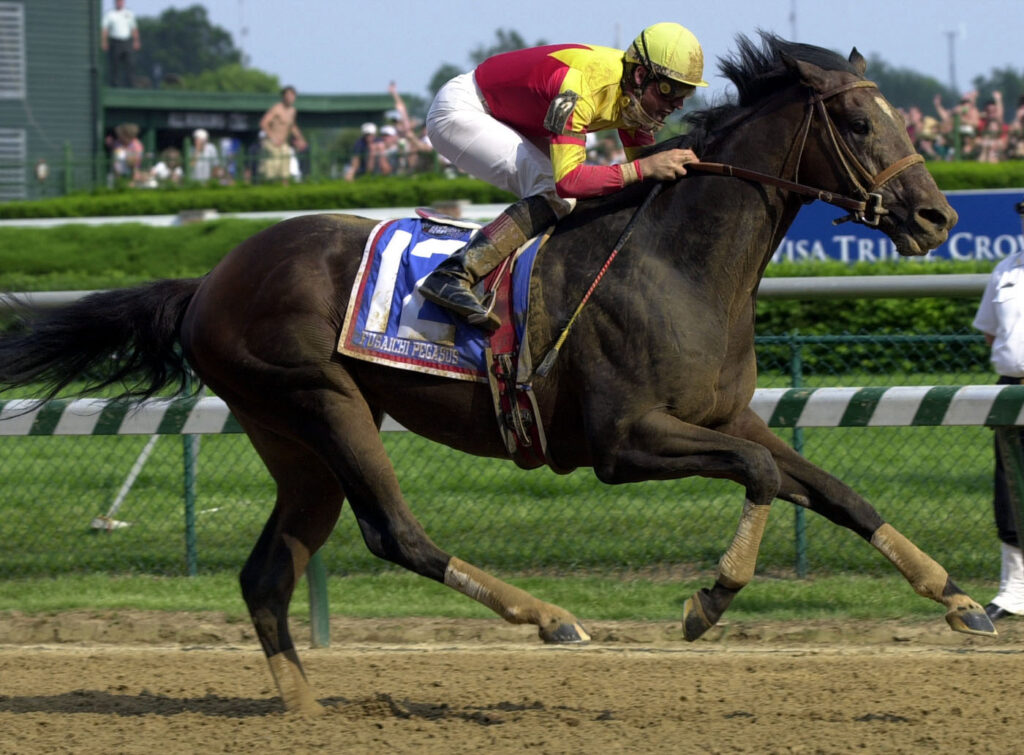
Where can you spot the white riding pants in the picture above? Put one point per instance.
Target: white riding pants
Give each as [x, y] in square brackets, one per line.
[462, 130]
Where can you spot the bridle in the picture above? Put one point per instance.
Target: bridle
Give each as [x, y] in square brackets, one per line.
[867, 209]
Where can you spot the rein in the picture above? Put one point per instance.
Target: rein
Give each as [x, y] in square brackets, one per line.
[549, 358]
[867, 211]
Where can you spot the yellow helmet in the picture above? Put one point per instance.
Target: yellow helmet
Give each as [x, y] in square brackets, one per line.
[669, 51]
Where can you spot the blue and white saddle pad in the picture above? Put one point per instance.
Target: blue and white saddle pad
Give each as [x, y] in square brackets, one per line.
[388, 321]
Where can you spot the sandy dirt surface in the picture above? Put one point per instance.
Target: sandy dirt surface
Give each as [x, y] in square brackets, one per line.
[181, 683]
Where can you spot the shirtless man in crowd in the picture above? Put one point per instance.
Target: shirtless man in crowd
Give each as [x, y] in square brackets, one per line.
[278, 123]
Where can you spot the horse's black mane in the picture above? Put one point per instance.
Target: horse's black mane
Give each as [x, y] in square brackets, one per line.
[757, 71]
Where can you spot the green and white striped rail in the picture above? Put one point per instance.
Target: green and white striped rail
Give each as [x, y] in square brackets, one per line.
[901, 406]
[93, 416]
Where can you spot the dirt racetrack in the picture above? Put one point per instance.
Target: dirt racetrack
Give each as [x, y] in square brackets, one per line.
[158, 683]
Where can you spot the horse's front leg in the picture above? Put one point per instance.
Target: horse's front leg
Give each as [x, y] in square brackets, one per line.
[807, 485]
[660, 446]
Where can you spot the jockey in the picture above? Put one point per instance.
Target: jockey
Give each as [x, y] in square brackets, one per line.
[519, 121]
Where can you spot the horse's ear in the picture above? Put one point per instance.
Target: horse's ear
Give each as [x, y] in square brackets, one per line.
[858, 61]
[808, 73]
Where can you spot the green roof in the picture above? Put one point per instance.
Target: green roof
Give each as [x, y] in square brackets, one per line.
[167, 99]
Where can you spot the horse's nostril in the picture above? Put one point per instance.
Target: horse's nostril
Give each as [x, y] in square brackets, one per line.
[933, 217]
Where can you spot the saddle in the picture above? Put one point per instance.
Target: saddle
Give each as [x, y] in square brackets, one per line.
[388, 322]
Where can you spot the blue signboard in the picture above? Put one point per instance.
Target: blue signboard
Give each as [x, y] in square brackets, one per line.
[989, 229]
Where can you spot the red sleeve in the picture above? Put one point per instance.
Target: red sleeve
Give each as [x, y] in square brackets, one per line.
[573, 177]
[633, 142]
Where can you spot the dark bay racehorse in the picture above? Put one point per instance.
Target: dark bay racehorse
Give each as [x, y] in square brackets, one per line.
[653, 382]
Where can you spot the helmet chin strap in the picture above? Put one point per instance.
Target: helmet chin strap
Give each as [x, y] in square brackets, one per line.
[634, 115]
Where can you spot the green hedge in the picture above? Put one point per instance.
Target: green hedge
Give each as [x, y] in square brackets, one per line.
[378, 192]
[875, 317]
[880, 316]
[970, 175]
[77, 257]
[82, 257]
[364, 192]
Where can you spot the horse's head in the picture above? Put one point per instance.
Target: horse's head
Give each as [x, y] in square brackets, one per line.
[855, 143]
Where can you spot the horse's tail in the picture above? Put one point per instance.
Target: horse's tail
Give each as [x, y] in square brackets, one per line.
[126, 337]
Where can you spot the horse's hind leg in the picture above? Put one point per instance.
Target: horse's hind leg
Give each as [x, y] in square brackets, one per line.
[807, 485]
[350, 445]
[309, 499]
[338, 426]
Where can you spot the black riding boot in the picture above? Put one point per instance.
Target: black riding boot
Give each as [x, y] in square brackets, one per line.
[451, 284]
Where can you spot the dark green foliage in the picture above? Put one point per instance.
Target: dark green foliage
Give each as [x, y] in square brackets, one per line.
[335, 195]
[970, 175]
[377, 191]
[895, 318]
[1009, 81]
[81, 257]
[233, 77]
[904, 87]
[183, 41]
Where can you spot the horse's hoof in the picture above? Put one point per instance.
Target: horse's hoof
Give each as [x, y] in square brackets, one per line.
[971, 620]
[695, 620]
[565, 634]
[306, 709]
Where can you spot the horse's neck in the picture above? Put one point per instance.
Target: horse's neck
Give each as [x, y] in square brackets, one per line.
[754, 217]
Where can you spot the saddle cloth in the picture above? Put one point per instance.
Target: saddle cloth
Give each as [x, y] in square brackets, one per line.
[389, 322]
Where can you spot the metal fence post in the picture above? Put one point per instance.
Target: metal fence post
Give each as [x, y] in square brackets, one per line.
[190, 457]
[191, 452]
[68, 168]
[796, 377]
[319, 612]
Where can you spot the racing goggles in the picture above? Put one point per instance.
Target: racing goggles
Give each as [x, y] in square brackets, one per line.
[673, 90]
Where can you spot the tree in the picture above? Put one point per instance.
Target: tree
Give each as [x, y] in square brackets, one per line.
[442, 76]
[230, 78]
[904, 87]
[1005, 80]
[183, 42]
[506, 40]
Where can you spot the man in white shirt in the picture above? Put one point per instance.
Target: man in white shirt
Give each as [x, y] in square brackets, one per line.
[120, 39]
[205, 160]
[1000, 317]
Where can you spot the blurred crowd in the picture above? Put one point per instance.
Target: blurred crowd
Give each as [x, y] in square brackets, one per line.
[225, 161]
[967, 130]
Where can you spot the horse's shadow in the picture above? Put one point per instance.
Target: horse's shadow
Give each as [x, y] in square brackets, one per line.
[143, 704]
[217, 706]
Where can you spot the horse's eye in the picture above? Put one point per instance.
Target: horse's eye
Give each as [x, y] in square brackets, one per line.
[860, 126]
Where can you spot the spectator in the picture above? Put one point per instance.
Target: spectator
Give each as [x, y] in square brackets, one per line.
[279, 125]
[119, 38]
[364, 153]
[913, 118]
[413, 150]
[387, 150]
[930, 141]
[1000, 317]
[993, 133]
[230, 150]
[126, 153]
[205, 161]
[167, 171]
[1015, 136]
[992, 142]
